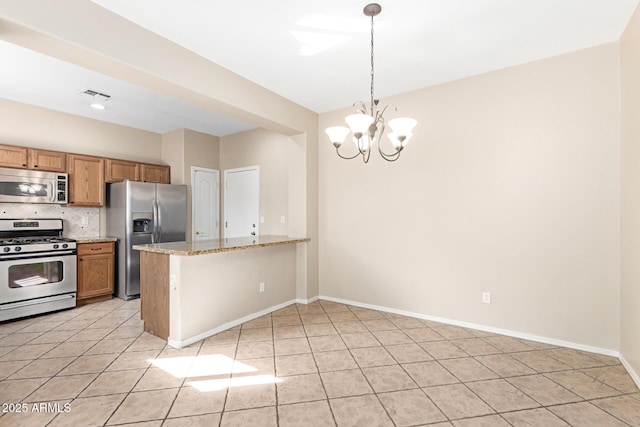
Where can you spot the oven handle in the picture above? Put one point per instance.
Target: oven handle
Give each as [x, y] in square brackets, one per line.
[36, 255]
[35, 301]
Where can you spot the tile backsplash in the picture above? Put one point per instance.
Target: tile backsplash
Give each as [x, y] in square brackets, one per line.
[71, 217]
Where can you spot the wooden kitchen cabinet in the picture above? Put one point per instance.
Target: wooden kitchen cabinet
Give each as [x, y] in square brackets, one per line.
[116, 170]
[86, 180]
[95, 272]
[29, 158]
[13, 157]
[154, 293]
[155, 173]
[45, 160]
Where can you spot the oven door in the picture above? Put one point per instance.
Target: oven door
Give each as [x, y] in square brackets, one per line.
[28, 276]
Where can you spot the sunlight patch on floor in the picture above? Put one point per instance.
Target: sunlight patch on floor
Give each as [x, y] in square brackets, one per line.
[221, 384]
[201, 366]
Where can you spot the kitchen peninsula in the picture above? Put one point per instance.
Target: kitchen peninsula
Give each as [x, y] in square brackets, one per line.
[192, 290]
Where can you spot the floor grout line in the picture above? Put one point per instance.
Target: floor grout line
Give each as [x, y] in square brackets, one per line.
[294, 323]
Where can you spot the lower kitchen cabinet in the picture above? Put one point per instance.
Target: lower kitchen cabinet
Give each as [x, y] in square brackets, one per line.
[96, 263]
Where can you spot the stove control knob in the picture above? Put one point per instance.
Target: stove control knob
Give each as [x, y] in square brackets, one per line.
[56, 246]
[65, 246]
[18, 249]
[7, 249]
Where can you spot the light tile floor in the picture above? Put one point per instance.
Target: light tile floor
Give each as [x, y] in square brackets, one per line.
[323, 364]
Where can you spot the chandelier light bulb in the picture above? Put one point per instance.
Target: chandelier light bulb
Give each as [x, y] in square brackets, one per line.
[399, 141]
[337, 134]
[359, 123]
[363, 143]
[402, 125]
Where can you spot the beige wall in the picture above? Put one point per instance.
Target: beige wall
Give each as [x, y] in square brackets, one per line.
[223, 288]
[269, 151]
[32, 126]
[510, 185]
[630, 183]
[185, 148]
[173, 151]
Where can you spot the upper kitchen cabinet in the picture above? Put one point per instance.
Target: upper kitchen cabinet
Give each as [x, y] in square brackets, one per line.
[86, 180]
[155, 173]
[118, 170]
[45, 160]
[29, 158]
[13, 157]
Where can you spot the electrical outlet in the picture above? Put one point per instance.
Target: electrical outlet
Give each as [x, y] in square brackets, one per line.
[261, 286]
[85, 220]
[283, 219]
[261, 220]
[173, 281]
[486, 297]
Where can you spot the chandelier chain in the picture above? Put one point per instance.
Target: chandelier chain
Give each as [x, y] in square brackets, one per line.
[372, 101]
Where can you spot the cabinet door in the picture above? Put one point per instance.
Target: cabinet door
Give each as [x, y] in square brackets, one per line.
[13, 157]
[119, 170]
[86, 180]
[45, 160]
[95, 275]
[156, 173]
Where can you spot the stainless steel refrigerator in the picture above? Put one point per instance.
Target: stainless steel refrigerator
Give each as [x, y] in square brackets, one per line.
[139, 213]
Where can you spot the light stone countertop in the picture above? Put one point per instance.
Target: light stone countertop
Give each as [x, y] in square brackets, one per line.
[203, 247]
[100, 239]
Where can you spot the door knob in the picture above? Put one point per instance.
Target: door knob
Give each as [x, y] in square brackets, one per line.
[197, 233]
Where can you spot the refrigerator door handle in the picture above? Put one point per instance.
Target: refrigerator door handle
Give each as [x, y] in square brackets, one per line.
[159, 212]
[154, 231]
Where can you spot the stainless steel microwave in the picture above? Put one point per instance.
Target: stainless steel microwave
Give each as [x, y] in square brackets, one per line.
[29, 186]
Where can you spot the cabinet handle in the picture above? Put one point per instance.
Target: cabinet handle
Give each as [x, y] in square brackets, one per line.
[35, 166]
[24, 164]
[96, 249]
[81, 259]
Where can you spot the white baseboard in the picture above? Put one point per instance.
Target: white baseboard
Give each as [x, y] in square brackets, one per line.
[634, 375]
[515, 334]
[507, 332]
[307, 301]
[233, 323]
[228, 325]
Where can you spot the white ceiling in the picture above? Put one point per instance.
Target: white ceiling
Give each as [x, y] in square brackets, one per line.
[33, 78]
[317, 53]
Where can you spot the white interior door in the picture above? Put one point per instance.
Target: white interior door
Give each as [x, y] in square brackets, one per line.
[241, 202]
[205, 209]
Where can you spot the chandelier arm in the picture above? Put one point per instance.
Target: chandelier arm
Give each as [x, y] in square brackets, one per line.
[365, 156]
[390, 157]
[361, 107]
[345, 157]
[387, 156]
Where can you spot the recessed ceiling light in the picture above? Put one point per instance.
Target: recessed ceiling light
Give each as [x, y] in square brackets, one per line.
[97, 99]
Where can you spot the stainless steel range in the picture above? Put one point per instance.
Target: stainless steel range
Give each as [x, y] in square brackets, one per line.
[37, 268]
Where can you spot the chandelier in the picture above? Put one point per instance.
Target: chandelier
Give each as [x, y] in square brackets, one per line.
[368, 126]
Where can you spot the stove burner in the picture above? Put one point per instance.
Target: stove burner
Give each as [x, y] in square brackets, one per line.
[33, 240]
[33, 236]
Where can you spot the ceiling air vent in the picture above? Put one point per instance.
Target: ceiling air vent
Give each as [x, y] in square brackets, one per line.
[98, 96]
